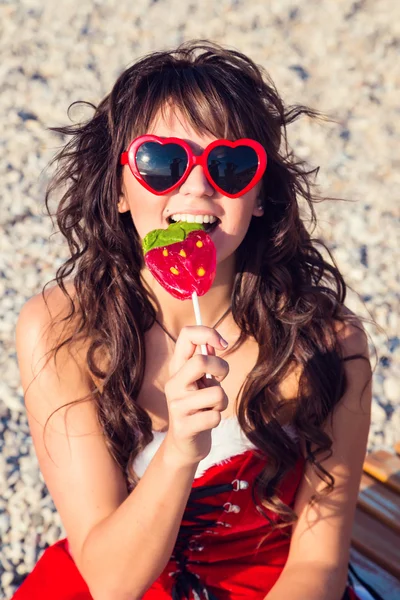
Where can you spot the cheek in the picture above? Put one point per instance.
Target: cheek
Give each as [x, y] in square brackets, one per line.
[240, 217]
[144, 207]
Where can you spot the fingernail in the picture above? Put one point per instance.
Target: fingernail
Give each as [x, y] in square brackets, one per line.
[224, 343]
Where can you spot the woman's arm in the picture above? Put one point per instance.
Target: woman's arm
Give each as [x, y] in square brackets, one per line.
[120, 542]
[136, 541]
[316, 568]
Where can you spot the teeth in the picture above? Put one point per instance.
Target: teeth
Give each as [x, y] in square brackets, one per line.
[194, 218]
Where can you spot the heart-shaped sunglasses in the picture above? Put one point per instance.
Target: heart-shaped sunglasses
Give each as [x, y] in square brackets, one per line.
[162, 164]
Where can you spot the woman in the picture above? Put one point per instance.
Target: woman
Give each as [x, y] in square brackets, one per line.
[170, 484]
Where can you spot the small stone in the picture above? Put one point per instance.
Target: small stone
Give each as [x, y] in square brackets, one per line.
[30, 555]
[13, 478]
[7, 566]
[37, 520]
[394, 343]
[21, 569]
[364, 255]
[15, 553]
[26, 116]
[391, 387]
[6, 579]
[384, 361]
[9, 398]
[301, 71]
[4, 524]
[378, 413]
[345, 134]
[52, 535]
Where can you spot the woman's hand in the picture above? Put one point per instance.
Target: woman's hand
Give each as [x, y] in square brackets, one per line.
[194, 402]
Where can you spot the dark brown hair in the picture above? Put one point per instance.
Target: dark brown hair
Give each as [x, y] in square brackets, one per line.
[285, 294]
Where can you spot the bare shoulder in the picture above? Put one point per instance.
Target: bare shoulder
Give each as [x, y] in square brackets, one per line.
[51, 307]
[351, 334]
[352, 339]
[51, 318]
[353, 343]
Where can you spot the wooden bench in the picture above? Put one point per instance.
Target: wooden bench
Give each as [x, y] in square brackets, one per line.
[375, 552]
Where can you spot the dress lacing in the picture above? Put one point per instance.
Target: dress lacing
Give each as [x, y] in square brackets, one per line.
[186, 581]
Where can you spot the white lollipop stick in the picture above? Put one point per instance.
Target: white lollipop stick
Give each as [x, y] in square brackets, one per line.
[196, 307]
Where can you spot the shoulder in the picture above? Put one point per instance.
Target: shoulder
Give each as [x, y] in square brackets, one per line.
[46, 320]
[354, 347]
[354, 405]
[51, 304]
[351, 335]
[352, 340]
[352, 343]
[357, 397]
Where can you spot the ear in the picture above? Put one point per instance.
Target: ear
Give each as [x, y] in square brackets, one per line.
[123, 205]
[258, 209]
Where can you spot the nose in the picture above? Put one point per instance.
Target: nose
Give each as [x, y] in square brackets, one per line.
[196, 183]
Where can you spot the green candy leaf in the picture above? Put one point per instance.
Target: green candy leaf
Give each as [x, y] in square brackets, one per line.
[176, 232]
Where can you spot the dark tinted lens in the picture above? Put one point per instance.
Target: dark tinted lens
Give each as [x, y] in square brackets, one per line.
[232, 169]
[161, 166]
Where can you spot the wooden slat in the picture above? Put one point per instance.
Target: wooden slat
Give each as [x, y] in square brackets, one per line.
[380, 580]
[385, 467]
[380, 502]
[377, 542]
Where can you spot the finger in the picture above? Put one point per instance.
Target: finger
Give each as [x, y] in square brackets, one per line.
[188, 340]
[206, 399]
[203, 420]
[210, 350]
[207, 350]
[195, 369]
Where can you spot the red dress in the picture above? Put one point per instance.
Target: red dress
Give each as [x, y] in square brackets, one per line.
[216, 554]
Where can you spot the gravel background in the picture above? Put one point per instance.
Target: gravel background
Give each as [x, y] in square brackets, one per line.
[339, 57]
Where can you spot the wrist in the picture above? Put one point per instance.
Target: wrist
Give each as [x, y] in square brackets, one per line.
[175, 460]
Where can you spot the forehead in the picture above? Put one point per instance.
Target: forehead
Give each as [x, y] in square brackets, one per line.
[172, 122]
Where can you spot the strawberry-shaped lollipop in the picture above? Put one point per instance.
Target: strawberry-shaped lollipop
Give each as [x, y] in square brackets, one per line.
[182, 258]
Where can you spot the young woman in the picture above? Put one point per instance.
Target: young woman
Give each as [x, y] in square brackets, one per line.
[169, 484]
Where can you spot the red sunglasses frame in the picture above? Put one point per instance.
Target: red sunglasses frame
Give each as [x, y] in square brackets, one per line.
[129, 158]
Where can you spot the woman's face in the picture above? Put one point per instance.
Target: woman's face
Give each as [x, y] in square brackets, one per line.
[150, 211]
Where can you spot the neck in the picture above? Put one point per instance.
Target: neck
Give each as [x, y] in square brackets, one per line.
[175, 314]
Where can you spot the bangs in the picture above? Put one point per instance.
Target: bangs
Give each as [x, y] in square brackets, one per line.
[204, 101]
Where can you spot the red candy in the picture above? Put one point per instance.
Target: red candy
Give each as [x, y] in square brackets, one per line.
[181, 267]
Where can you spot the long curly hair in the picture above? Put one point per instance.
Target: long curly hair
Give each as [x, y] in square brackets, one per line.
[285, 294]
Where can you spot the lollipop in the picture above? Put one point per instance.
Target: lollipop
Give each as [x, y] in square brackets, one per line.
[182, 258]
